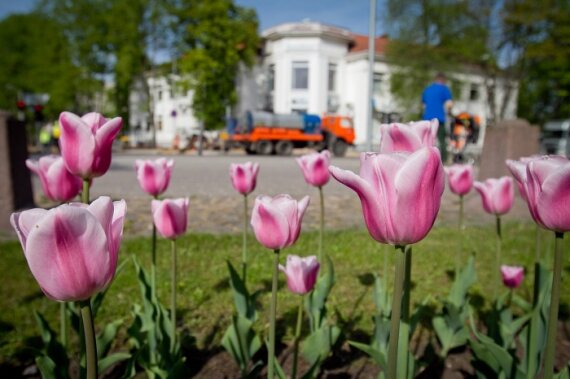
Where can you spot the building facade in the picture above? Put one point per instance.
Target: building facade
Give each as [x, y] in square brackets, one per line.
[308, 67]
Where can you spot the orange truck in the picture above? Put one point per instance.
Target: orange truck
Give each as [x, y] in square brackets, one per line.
[267, 133]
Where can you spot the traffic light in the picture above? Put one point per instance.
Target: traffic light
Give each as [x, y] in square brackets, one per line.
[21, 104]
[38, 112]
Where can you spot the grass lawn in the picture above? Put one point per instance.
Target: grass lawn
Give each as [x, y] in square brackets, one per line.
[205, 301]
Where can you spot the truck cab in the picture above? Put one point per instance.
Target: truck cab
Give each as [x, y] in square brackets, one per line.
[554, 138]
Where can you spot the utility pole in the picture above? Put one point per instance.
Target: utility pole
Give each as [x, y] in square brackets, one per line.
[371, 55]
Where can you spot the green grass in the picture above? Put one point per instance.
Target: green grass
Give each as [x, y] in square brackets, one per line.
[205, 301]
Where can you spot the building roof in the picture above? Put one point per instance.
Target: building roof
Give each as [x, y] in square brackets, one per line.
[307, 28]
[360, 43]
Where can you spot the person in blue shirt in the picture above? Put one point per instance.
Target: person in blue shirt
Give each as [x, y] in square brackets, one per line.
[436, 100]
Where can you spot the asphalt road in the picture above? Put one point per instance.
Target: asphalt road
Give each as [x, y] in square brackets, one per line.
[209, 175]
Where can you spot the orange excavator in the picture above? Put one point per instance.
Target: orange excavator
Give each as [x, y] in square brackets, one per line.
[267, 133]
[464, 130]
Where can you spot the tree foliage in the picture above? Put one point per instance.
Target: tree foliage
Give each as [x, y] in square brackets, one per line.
[509, 42]
[218, 37]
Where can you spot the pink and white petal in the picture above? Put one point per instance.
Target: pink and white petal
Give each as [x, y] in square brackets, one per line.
[68, 254]
[270, 225]
[77, 144]
[553, 205]
[24, 222]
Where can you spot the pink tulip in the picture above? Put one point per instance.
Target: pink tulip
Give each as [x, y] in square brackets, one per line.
[460, 178]
[301, 273]
[154, 176]
[244, 176]
[408, 137]
[57, 182]
[276, 221]
[512, 275]
[518, 170]
[548, 195]
[72, 249]
[400, 193]
[170, 216]
[315, 167]
[498, 195]
[86, 143]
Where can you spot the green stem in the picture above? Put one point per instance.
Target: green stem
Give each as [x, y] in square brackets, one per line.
[173, 297]
[244, 250]
[90, 342]
[554, 302]
[321, 233]
[385, 268]
[460, 242]
[498, 281]
[297, 339]
[85, 192]
[272, 312]
[404, 335]
[399, 280]
[534, 324]
[63, 323]
[154, 296]
[537, 244]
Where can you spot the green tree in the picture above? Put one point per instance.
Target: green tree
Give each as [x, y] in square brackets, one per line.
[218, 37]
[36, 58]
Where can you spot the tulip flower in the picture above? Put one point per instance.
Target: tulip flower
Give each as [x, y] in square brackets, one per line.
[315, 167]
[72, 251]
[400, 195]
[244, 177]
[154, 176]
[86, 143]
[547, 197]
[301, 273]
[171, 219]
[408, 137]
[57, 182]
[301, 276]
[497, 194]
[460, 178]
[170, 216]
[512, 276]
[518, 170]
[276, 222]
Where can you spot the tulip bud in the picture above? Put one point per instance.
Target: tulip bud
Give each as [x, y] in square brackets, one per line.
[460, 178]
[301, 273]
[86, 143]
[244, 176]
[57, 182]
[154, 176]
[497, 195]
[72, 249]
[315, 167]
[276, 221]
[170, 216]
[512, 276]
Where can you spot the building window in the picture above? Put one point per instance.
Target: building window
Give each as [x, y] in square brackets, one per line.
[300, 75]
[159, 95]
[271, 77]
[377, 84]
[332, 77]
[474, 92]
[159, 123]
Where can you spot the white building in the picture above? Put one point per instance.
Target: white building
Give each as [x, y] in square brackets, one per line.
[315, 68]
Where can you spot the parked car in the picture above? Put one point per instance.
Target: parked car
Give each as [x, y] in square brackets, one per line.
[554, 138]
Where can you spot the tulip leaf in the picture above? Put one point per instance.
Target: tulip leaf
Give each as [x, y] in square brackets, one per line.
[105, 339]
[52, 359]
[240, 341]
[315, 302]
[378, 357]
[318, 344]
[110, 360]
[382, 297]
[279, 372]
[466, 278]
[564, 374]
[245, 304]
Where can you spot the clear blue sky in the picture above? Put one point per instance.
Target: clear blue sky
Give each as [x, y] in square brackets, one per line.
[351, 14]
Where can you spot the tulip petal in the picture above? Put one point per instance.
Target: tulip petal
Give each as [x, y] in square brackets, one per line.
[104, 142]
[77, 144]
[24, 222]
[67, 253]
[270, 225]
[553, 202]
